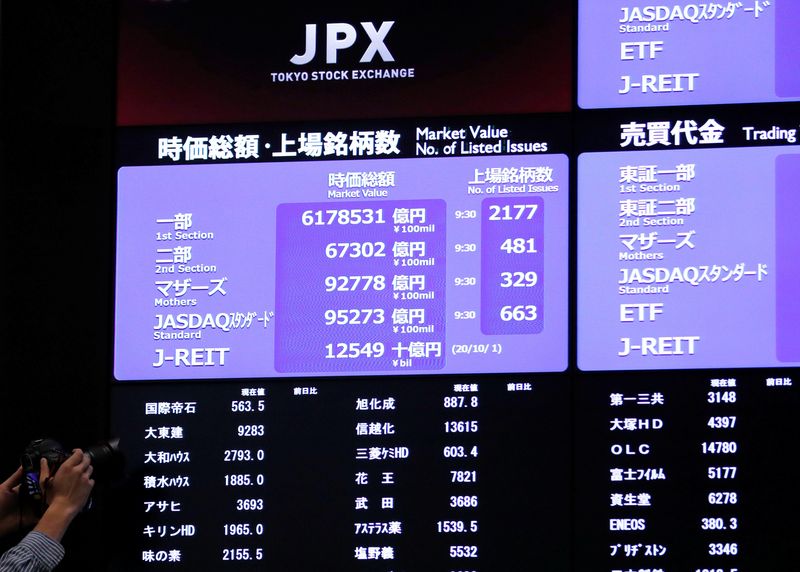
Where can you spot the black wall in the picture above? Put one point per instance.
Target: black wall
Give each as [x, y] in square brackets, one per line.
[57, 188]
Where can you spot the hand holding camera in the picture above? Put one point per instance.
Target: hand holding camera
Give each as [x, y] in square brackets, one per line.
[52, 486]
[65, 490]
[65, 493]
[70, 485]
[12, 516]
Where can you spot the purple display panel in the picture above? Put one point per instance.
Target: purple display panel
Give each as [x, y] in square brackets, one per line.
[679, 259]
[363, 296]
[787, 237]
[223, 271]
[639, 54]
[787, 45]
[512, 265]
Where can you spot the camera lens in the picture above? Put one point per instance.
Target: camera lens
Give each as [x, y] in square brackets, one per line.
[106, 458]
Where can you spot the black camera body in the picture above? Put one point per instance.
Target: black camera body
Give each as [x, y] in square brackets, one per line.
[105, 458]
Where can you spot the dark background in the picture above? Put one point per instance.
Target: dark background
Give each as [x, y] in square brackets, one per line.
[203, 61]
[57, 186]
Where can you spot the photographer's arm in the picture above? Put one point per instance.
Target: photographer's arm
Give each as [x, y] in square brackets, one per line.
[11, 518]
[67, 493]
[36, 552]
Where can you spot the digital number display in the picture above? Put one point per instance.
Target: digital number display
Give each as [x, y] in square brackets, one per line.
[396, 267]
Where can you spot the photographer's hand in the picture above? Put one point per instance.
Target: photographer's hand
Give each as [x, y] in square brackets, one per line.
[66, 493]
[10, 517]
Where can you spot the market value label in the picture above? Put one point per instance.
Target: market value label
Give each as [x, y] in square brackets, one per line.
[688, 259]
[639, 54]
[455, 265]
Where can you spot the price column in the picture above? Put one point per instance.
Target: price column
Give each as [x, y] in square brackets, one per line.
[459, 522]
[719, 448]
[243, 480]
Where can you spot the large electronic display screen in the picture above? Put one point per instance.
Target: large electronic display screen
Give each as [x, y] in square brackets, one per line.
[463, 288]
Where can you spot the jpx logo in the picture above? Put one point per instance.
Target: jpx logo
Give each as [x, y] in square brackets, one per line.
[341, 36]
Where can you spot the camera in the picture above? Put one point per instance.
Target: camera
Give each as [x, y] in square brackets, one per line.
[105, 457]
